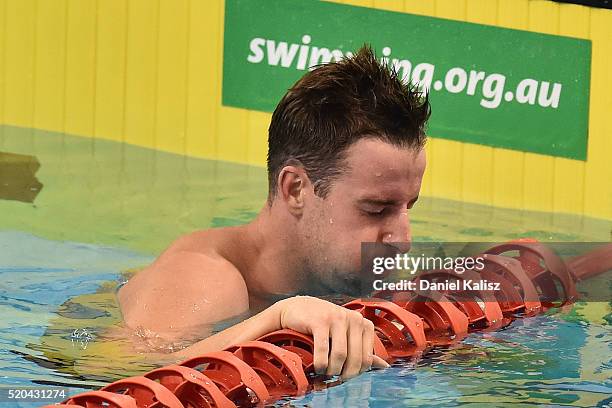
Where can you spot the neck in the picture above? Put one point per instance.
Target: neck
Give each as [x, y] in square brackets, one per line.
[274, 268]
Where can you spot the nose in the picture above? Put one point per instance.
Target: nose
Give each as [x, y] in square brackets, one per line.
[397, 232]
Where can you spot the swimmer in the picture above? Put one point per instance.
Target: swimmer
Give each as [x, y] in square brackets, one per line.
[345, 163]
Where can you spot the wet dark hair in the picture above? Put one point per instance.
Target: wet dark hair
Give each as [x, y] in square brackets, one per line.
[334, 106]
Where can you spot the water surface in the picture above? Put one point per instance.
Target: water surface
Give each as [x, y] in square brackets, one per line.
[78, 216]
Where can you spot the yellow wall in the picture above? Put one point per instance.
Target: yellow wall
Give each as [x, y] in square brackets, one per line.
[148, 72]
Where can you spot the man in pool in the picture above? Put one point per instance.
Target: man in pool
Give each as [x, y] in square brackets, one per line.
[345, 163]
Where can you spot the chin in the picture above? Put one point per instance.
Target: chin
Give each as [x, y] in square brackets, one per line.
[352, 285]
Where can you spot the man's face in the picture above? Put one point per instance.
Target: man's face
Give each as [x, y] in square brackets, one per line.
[369, 202]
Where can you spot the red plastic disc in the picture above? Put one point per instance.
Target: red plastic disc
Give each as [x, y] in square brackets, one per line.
[296, 342]
[518, 293]
[280, 369]
[190, 386]
[480, 306]
[146, 392]
[400, 331]
[544, 268]
[444, 322]
[99, 399]
[235, 378]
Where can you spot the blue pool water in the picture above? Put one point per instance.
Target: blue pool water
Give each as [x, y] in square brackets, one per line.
[543, 360]
[38, 277]
[550, 360]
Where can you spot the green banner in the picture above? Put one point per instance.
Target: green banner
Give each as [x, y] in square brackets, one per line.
[488, 85]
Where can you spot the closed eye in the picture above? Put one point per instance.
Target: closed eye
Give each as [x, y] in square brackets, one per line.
[374, 213]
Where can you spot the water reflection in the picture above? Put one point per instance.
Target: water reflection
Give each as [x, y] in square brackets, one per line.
[109, 193]
[18, 177]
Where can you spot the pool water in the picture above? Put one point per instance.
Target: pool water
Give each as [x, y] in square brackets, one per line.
[543, 360]
[82, 215]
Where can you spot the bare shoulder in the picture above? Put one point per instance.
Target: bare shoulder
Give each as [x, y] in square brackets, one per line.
[210, 241]
[189, 284]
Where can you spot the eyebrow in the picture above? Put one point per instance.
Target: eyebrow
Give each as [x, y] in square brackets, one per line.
[376, 201]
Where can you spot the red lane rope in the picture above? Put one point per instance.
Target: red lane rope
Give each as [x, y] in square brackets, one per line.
[280, 363]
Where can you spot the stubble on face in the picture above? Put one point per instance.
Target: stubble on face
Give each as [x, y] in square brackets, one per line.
[316, 260]
[333, 229]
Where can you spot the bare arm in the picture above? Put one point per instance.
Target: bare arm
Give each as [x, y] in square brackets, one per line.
[349, 352]
[168, 295]
[250, 329]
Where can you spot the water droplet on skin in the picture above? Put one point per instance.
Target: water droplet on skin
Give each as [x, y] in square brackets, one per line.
[331, 220]
[378, 174]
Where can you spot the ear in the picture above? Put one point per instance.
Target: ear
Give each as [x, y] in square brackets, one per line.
[293, 184]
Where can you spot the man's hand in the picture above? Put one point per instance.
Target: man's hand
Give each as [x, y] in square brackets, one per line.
[343, 338]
